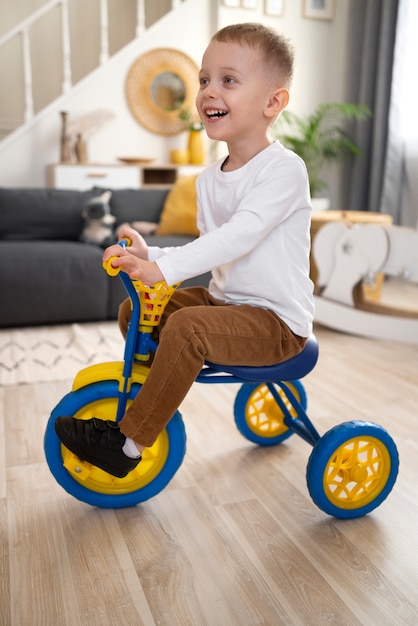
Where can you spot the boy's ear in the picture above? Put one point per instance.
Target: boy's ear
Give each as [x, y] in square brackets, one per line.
[277, 102]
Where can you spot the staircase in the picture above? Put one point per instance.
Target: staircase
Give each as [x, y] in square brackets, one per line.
[23, 41]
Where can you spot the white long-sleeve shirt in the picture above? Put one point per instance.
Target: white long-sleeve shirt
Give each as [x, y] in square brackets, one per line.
[255, 237]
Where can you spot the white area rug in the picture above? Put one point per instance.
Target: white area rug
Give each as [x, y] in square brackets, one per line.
[56, 353]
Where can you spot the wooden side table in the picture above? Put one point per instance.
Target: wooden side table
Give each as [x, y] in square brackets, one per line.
[353, 217]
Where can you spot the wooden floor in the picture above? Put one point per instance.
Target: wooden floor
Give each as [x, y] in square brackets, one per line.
[235, 538]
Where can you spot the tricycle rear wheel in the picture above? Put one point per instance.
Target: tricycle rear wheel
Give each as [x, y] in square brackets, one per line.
[259, 418]
[352, 469]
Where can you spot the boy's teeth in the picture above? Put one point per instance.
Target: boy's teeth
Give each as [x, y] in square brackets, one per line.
[215, 113]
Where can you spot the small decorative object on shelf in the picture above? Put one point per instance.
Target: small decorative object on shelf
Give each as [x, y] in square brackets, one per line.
[75, 134]
[65, 153]
[195, 144]
[196, 148]
[80, 149]
[136, 160]
[180, 156]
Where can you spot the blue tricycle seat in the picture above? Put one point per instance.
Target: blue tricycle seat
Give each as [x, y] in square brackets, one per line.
[292, 369]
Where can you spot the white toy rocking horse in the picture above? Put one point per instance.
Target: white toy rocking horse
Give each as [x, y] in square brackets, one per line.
[348, 258]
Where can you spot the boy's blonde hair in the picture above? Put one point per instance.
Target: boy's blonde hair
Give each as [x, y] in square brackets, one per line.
[276, 49]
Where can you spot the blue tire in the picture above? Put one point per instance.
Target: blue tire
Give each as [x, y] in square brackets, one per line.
[259, 418]
[352, 469]
[158, 466]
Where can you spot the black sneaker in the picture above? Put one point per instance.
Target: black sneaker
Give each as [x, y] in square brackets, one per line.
[97, 441]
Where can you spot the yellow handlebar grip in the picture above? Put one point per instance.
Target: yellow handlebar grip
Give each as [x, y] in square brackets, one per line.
[111, 271]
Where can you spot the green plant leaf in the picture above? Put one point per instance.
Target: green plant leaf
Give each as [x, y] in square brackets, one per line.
[321, 137]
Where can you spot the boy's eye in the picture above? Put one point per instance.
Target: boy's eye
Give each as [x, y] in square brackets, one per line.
[229, 80]
[203, 82]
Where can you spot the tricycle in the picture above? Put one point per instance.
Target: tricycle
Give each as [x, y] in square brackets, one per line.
[351, 469]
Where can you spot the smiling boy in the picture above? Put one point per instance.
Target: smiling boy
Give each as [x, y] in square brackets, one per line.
[254, 221]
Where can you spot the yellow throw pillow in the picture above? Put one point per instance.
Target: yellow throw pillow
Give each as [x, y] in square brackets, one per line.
[178, 216]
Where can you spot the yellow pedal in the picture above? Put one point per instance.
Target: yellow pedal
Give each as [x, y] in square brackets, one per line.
[81, 470]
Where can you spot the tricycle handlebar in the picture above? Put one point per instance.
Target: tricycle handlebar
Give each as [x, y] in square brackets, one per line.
[114, 271]
[152, 299]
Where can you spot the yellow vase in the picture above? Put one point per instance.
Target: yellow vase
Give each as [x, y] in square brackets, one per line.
[196, 148]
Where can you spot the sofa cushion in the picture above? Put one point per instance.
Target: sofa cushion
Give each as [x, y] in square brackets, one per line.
[42, 213]
[48, 282]
[129, 205]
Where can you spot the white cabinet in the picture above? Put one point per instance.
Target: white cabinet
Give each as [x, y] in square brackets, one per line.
[67, 176]
[86, 176]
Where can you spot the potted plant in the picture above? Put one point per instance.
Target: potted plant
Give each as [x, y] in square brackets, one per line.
[320, 137]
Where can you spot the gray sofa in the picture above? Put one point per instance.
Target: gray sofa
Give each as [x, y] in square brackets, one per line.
[47, 275]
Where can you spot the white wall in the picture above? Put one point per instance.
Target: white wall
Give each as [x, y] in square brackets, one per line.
[24, 156]
[321, 49]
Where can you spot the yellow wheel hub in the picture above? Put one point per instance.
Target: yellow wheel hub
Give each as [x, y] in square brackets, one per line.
[264, 416]
[356, 472]
[95, 479]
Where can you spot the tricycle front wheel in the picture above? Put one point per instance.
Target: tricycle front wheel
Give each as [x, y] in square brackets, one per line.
[90, 484]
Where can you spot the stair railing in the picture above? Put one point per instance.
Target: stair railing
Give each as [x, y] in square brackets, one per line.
[23, 30]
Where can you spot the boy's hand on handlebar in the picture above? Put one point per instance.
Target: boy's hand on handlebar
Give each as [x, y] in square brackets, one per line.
[146, 271]
[138, 245]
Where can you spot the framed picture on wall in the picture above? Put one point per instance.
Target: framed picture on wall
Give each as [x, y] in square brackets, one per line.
[274, 7]
[319, 9]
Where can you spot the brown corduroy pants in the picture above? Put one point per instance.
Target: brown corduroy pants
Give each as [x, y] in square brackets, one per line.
[196, 328]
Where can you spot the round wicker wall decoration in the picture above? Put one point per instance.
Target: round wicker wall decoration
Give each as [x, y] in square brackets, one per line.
[159, 84]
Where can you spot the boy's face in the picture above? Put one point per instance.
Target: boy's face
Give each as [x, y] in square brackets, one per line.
[235, 100]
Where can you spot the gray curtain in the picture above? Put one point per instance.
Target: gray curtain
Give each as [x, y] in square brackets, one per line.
[372, 32]
[400, 186]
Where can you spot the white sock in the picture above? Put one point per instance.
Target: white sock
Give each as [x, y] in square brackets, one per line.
[129, 449]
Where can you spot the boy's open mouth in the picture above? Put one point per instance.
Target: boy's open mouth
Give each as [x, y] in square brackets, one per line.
[215, 113]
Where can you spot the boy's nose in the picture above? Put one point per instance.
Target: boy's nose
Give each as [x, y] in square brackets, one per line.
[209, 90]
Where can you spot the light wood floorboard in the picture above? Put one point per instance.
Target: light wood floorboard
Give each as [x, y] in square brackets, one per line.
[235, 539]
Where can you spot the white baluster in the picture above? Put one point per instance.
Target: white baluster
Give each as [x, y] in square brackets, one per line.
[66, 48]
[140, 17]
[104, 34]
[27, 74]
